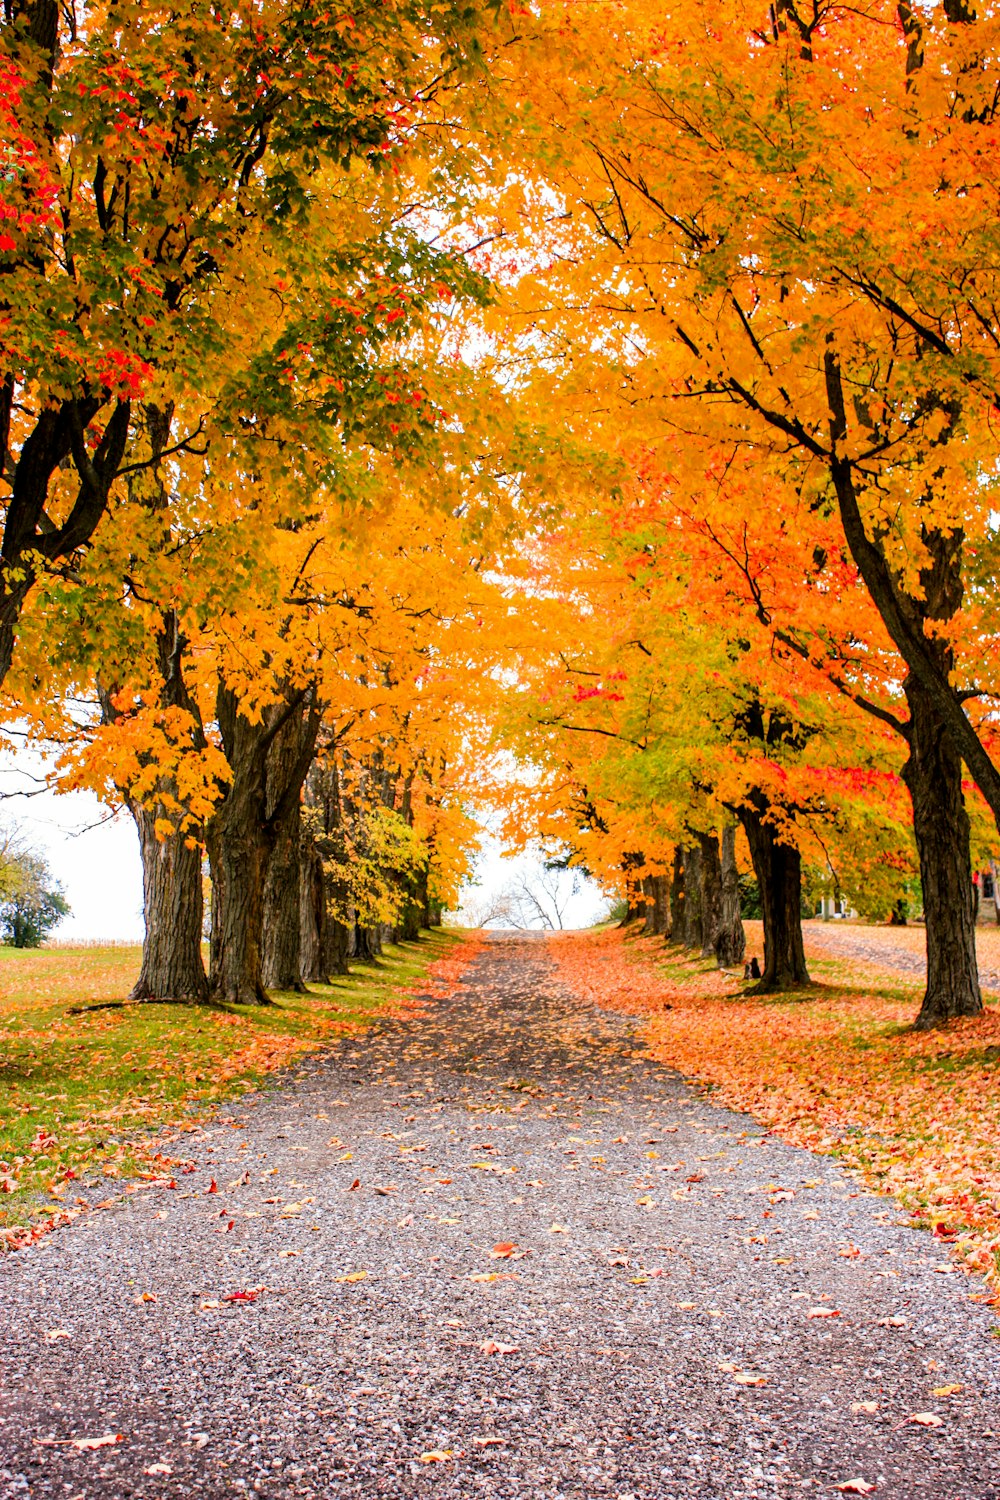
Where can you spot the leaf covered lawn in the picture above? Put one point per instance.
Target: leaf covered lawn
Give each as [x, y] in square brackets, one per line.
[835, 1068]
[86, 1080]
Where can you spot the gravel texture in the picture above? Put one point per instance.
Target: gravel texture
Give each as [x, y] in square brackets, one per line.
[663, 1248]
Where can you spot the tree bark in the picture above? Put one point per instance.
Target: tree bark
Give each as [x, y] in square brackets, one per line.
[312, 914]
[693, 927]
[172, 908]
[675, 932]
[730, 939]
[242, 833]
[711, 892]
[282, 933]
[933, 777]
[778, 868]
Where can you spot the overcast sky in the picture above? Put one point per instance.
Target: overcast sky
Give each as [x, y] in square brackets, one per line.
[95, 856]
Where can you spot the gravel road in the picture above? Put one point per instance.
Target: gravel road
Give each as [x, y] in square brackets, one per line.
[580, 1279]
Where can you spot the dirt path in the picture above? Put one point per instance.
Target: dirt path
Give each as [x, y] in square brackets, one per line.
[665, 1256]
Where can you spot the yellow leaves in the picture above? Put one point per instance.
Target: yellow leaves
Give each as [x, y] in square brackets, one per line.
[352, 1277]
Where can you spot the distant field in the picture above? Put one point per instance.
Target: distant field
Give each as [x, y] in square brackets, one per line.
[81, 1093]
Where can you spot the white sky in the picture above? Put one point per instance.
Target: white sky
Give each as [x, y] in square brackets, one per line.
[95, 857]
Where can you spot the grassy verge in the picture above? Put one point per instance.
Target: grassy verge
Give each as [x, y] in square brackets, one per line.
[83, 1089]
[836, 1068]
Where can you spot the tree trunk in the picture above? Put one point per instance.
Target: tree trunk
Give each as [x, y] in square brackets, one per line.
[312, 914]
[778, 868]
[243, 830]
[675, 932]
[172, 907]
[282, 935]
[711, 892]
[933, 777]
[238, 849]
[730, 939]
[661, 905]
[692, 897]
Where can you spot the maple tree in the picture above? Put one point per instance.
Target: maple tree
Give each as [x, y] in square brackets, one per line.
[160, 161]
[747, 259]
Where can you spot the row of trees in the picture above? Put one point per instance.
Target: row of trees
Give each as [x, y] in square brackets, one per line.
[251, 491]
[622, 377]
[768, 291]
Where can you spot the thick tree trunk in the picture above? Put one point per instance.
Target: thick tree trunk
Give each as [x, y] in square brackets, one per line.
[730, 939]
[933, 777]
[243, 830]
[692, 897]
[656, 889]
[778, 868]
[312, 914]
[711, 892]
[675, 932]
[282, 935]
[172, 907]
[238, 849]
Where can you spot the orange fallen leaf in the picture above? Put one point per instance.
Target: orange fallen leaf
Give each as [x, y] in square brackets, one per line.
[87, 1445]
[437, 1456]
[352, 1276]
[488, 1442]
[855, 1487]
[744, 1378]
[893, 1322]
[823, 1312]
[492, 1347]
[925, 1419]
[52, 1335]
[946, 1390]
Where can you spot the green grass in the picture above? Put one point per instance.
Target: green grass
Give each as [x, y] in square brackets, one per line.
[81, 1094]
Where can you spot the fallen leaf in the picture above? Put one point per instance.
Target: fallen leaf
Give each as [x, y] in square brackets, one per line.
[437, 1456]
[492, 1347]
[495, 1276]
[148, 1297]
[352, 1276]
[893, 1322]
[355, 1184]
[644, 1202]
[488, 1442]
[687, 1306]
[52, 1335]
[287, 1254]
[925, 1419]
[727, 1367]
[744, 1378]
[213, 1186]
[558, 1229]
[864, 1406]
[855, 1487]
[87, 1445]
[822, 1312]
[158, 1469]
[503, 1250]
[946, 1390]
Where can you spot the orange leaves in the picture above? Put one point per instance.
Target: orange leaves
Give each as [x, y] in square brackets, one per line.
[889, 1107]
